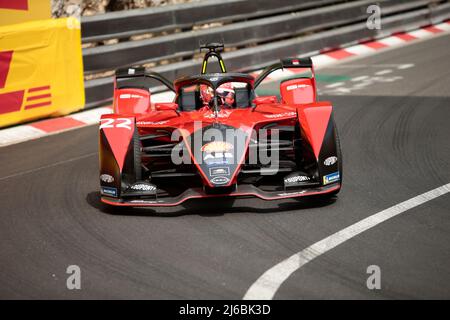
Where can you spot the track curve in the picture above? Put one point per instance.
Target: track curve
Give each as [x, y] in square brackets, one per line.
[394, 136]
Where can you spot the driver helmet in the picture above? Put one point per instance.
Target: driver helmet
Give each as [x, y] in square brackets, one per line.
[206, 93]
[226, 95]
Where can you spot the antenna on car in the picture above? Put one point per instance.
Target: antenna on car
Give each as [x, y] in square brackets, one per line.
[214, 49]
[212, 46]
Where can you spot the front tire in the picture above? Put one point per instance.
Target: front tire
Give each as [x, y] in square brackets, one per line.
[339, 156]
[137, 155]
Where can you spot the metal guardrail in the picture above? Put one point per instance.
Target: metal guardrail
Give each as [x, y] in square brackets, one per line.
[276, 36]
[184, 44]
[134, 22]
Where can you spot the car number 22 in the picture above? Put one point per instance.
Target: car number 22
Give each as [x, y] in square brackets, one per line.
[117, 123]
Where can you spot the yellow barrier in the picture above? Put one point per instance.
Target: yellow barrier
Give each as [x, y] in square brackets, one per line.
[41, 70]
[18, 11]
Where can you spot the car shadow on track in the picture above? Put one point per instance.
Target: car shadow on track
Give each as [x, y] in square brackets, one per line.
[213, 206]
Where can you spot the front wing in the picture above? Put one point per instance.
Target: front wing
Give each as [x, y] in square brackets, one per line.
[242, 191]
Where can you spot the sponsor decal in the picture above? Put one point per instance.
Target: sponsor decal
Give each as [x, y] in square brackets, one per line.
[107, 191]
[217, 146]
[291, 193]
[217, 157]
[15, 4]
[296, 179]
[151, 122]
[280, 115]
[217, 152]
[332, 177]
[12, 101]
[330, 161]
[296, 86]
[143, 187]
[146, 201]
[5, 64]
[220, 180]
[219, 171]
[129, 96]
[106, 178]
[221, 114]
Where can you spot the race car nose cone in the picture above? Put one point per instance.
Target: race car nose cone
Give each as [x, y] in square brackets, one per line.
[218, 151]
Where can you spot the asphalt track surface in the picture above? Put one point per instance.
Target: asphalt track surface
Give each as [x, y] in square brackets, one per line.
[395, 139]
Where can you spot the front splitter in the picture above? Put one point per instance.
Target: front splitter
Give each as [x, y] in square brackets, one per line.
[241, 191]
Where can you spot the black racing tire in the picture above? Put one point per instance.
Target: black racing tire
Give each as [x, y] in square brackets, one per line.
[330, 195]
[339, 156]
[137, 155]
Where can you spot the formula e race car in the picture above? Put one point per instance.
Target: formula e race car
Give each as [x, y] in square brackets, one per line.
[218, 138]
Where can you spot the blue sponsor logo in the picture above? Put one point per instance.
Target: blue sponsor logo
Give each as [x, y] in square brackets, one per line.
[332, 177]
[107, 191]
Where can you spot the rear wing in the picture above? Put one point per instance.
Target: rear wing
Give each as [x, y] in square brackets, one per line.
[304, 63]
[137, 74]
[130, 72]
[297, 62]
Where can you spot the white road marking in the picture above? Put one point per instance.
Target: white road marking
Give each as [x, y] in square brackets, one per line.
[268, 284]
[389, 79]
[359, 78]
[334, 85]
[343, 90]
[360, 85]
[382, 72]
[47, 166]
[405, 66]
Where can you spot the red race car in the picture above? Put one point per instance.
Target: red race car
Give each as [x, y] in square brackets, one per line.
[217, 138]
